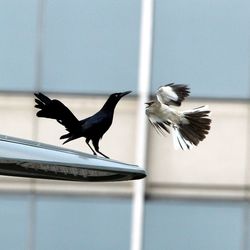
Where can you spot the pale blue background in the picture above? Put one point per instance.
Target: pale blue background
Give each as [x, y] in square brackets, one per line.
[75, 222]
[204, 44]
[18, 24]
[194, 225]
[65, 223]
[92, 47]
[86, 46]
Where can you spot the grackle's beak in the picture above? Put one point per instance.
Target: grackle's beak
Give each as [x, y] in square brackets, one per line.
[124, 93]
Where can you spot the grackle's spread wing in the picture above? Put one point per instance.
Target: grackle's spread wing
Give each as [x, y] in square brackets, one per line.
[55, 109]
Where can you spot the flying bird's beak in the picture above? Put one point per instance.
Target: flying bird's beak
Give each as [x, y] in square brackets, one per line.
[124, 93]
[149, 103]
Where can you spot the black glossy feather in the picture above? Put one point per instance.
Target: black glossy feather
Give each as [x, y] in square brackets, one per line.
[92, 128]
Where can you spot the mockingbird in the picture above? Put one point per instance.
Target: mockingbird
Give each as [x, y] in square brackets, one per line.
[187, 127]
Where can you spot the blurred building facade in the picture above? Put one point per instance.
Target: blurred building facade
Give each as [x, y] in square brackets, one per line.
[80, 51]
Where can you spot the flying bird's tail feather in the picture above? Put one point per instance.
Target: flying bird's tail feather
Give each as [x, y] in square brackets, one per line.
[193, 127]
[179, 141]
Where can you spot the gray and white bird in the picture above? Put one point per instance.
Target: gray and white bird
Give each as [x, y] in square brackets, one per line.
[187, 127]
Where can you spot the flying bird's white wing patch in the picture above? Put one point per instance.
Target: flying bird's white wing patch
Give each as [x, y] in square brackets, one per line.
[166, 94]
[172, 94]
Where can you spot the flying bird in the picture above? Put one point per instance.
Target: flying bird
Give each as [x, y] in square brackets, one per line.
[92, 128]
[187, 127]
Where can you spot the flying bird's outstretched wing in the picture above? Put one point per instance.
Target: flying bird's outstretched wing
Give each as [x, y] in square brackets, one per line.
[162, 127]
[172, 94]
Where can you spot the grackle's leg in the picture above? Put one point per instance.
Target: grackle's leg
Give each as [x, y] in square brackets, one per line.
[96, 146]
[87, 141]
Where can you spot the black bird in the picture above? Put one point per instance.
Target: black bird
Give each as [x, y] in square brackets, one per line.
[92, 128]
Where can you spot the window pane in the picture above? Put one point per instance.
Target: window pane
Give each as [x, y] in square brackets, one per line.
[91, 46]
[15, 221]
[194, 225]
[18, 22]
[203, 44]
[82, 223]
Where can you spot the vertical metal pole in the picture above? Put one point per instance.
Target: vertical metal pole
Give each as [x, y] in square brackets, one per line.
[146, 38]
[39, 43]
[39, 58]
[37, 86]
[246, 217]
